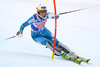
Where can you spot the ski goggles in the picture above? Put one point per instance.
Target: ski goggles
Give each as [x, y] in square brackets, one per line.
[43, 11]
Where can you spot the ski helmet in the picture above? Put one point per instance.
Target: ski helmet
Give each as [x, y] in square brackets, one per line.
[41, 9]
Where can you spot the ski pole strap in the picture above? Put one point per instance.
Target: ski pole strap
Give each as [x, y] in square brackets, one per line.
[10, 37]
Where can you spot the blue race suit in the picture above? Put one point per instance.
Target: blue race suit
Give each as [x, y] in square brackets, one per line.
[39, 32]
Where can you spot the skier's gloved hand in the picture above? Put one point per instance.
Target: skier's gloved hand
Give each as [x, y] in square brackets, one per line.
[53, 17]
[19, 34]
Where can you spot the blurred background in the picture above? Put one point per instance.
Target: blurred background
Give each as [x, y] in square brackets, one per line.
[79, 30]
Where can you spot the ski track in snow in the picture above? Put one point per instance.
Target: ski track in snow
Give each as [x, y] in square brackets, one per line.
[80, 31]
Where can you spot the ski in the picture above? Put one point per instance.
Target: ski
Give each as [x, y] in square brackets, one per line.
[85, 60]
[77, 61]
[67, 57]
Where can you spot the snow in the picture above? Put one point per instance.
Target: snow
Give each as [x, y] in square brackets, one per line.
[80, 31]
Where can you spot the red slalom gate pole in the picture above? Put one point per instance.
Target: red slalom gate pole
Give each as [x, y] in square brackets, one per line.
[55, 29]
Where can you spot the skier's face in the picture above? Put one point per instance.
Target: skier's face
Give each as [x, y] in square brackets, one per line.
[43, 13]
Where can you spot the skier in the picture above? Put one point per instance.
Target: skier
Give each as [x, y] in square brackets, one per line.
[42, 35]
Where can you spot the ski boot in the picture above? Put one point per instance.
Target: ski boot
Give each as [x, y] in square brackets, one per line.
[75, 58]
[65, 56]
[73, 55]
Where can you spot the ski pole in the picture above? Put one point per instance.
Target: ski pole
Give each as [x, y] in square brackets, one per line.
[78, 10]
[71, 11]
[10, 37]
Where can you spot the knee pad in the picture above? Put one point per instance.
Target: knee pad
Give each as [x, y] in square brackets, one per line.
[64, 48]
[57, 50]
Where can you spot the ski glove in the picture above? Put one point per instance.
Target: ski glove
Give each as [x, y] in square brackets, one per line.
[54, 17]
[19, 33]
